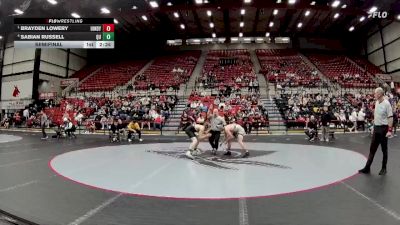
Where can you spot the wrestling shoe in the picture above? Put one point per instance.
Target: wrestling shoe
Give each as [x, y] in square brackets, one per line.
[189, 155]
[246, 154]
[365, 170]
[383, 171]
[197, 152]
[228, 153]
[214, 152]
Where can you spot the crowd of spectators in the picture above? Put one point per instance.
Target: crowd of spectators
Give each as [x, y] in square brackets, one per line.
[351, 112]
[97, 113]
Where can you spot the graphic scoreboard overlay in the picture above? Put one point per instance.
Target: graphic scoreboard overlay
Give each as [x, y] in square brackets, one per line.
[97, 33]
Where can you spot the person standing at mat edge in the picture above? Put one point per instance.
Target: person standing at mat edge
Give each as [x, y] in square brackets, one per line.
[43, 124]
[383, 127]
[217, 124]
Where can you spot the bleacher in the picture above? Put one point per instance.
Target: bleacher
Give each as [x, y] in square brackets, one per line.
[85, 71]
[111, 76]
[168, 71]
[338, 69]
[286, 68]
[364, 63]
[223, 67]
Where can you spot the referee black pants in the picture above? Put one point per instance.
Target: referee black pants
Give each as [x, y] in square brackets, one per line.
[378, 138]
[214, 139]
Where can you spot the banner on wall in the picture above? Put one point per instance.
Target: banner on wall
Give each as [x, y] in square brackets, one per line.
[15, 104]
[48, 95]
[69, 81]
[17, 89]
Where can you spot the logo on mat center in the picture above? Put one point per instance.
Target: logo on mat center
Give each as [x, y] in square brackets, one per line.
[223, 162]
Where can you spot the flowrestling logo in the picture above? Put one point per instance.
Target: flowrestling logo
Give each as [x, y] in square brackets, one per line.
[378, 14]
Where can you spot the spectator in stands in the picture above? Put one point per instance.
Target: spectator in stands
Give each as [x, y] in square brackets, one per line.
[326, 119]
[361, 119]
[134, 128]
[353, 119]
[26, 114]
[312, 129]
[43, 124]
[69, 128]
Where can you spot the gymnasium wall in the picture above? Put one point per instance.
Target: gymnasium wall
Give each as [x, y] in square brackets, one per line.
[383, 47]
[17, 60]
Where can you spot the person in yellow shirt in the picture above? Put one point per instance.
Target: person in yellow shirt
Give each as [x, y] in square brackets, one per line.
[133, 127]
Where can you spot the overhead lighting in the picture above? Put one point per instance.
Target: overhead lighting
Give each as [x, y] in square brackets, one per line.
[336, 15]
[53, 2]
[214, 35]
[234, 39]
[18, 11]
[242, 11]
[259, 39]
[275, 12]
[299, 25]
[75, 15]
[176, 14]
[144, 17]
[271, 24]
[241, 24]
[373, 9]
[307, 13]
[362, 18]
[344, 6]
[247, 1]
[169, 4]
[292, 2]
[267, 34]
[209, 13]
[335, 4]
[116, 21]
[153, 4]
[182, 26]
[240, 34]
[278, 1]
[1, 37]
[351, 28]
[398, 17]
[212, 25]
[312, 3]
[105, 10]
[199, 2]
[247, 39]
[134, 7]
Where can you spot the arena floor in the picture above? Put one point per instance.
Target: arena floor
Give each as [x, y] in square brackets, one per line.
[285, 181]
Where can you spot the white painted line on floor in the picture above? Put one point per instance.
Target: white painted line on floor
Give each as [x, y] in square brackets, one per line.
[23, 151]
[19, 186]
[94, 211]
[243, 215]
[390, 212]
[19, 163]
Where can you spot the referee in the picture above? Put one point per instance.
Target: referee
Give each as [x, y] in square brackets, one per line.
[217, 124]
[383, 126]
